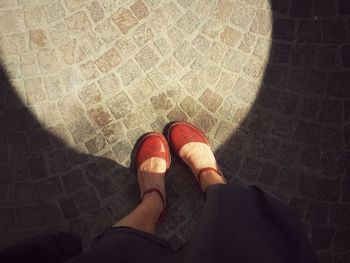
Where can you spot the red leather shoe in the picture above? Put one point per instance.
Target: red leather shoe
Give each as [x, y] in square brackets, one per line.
[153, 145]
[181, 133]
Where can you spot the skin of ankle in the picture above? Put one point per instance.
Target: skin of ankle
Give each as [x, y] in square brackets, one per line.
[210, 178]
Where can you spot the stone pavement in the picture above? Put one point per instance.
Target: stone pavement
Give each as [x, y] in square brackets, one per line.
[81, 80]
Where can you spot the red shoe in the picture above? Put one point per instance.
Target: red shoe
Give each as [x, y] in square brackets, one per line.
[181, 133]
[153, 145]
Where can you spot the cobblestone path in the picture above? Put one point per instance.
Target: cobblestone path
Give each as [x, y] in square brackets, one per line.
[81, 80]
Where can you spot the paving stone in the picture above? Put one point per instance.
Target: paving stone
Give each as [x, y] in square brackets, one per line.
[283, 29]
[334, 31]
[325, 8]
[37, 166]
[332, 163]
[224, 10]
[15, 43]
[309, 31]
[100, 116]
[276, 76]
[268, 98]
[190, 106]
[337, 84]
[78, 22]
[230, 36]
[310, 107]
[250, 168]
[69, 208]
[81, 129]
[73, 5]
[37, 39]
[33, 15]
[170, 67]
[143, 34]
[161, 102]
[303, 55]
[317, 212]
[263, 146]
[188, 22]
[254, 67]
[281, 53]
[303, 82]
[49, 188]
[109, 83]
[59, 33]
[90, 95]
[96, 11]
[205, 121]
[96, 144]
[129, 72]
[322, 237]
[307, 132]
[124, 19]
[201, 43]
[89, 70]
[38, 215]
[139, 9]
[233, 60]
[108, 60]
[86, 200]
[342, 240]
[70, 108]
[185, 53]
[261, 23]
[331, 111]
[91, 44]
[122, 150]
[107, 31]
[177, 114]
[25, 194]
[287, 180]
[211, 100]
[242, 14]
[212, 28]
[38, 140]
[247, 42]
[53, 11]
[74, 181]
[120, 105]
[340, 258]
[301, 8]
[269, 173]
[48, 61]
[113, 132]
[345, 55]
[146, 58]
[35, 91]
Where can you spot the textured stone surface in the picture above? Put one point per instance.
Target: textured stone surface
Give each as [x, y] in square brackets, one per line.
[85, 79]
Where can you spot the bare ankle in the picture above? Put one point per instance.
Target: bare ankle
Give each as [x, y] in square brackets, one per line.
[210, 177]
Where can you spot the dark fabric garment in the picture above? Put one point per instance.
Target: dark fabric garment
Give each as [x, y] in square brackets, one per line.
[54, 247]
[237, 224]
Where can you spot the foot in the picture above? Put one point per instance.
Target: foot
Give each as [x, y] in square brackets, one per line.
[152, 161]
[193, 148]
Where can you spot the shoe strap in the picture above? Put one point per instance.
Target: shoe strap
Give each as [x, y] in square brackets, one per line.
[201, 171]
[163, 213]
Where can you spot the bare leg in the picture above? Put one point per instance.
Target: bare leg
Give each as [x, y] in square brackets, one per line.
[146, 214]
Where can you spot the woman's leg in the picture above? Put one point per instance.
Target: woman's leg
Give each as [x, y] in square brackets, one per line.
[146, 214]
